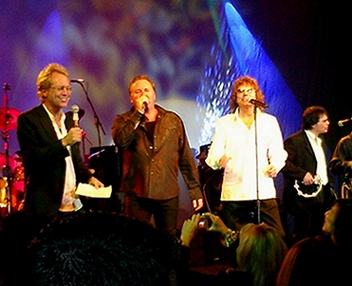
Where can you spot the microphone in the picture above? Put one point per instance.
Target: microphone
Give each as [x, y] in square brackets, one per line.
[75, 116]
[342, 122]
[77, 80]
[257, 103]
[145, 106]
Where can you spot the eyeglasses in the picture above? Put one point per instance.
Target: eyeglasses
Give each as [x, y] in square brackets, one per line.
[248, 90]
[62, 88]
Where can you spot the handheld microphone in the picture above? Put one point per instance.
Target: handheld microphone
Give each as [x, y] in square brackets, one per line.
[342, 122]
[145, 106]
[75, 116]
[77, 80]
[257, 103]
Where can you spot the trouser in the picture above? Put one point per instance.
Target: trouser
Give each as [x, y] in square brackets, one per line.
[164, 212]
[238, 213]
[309, 220]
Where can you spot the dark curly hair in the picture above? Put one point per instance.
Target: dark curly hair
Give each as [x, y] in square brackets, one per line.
[311, 116]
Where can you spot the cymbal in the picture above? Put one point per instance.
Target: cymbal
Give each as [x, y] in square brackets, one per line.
[8, 121]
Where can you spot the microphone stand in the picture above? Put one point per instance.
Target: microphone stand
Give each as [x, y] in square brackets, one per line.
[256, 161]
[257, 104]
[97, 121]
[85, 137]
[5, 136]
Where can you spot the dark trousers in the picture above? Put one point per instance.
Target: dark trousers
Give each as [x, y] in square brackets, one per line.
[309, 220]
[238, 213]
[164, 212]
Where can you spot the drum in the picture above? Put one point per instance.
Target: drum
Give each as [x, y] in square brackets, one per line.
[18, 173]
[17, 187]
[3, 192]
[8, 162]
[18, 181]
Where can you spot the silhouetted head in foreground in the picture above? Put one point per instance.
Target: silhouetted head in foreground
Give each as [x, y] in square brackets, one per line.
[99, 249]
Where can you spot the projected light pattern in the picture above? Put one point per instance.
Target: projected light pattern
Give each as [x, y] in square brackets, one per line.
[215, 91]
[248, 58]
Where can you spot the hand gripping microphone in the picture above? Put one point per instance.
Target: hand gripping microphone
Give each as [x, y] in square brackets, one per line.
[75, 116]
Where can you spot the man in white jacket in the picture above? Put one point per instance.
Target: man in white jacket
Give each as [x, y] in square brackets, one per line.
[248, 146]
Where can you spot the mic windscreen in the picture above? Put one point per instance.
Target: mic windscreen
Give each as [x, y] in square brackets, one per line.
[75, 110]
[144, 106]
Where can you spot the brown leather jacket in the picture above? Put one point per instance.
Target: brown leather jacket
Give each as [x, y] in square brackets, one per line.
[151, 167]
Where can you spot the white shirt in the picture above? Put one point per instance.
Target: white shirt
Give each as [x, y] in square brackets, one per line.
[322, 168]
[233, 139]
[67, 203]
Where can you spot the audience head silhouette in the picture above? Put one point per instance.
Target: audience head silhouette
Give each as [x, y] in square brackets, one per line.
[99, 249]
[310, 261]
[338, 221]
[322, 260]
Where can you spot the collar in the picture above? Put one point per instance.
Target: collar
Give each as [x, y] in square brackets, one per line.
[236, 114]
[52, 117]
[312, 136]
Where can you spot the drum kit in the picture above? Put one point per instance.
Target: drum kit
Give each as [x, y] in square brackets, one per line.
[12, 179]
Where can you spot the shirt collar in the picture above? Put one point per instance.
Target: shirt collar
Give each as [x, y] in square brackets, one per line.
[52, 117]
[236, 115]
[312, 136]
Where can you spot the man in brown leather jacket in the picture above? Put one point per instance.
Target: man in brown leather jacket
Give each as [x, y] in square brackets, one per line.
[154, 149]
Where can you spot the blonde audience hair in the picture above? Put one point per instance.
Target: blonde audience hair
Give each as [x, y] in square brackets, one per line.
[260, 252]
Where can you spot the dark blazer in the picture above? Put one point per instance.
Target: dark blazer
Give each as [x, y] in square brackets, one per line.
[300, 160]
[44, 161]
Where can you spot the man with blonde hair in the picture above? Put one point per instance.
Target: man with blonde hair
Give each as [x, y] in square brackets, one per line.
[49, 143]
